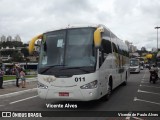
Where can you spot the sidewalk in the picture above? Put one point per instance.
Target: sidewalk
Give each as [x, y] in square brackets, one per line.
[10, 86]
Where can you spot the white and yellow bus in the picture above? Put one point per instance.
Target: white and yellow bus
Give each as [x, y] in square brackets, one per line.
[80, 63]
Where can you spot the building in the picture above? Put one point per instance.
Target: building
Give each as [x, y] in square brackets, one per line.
[5, 58]
[17, 38]
[8, 47]
[3, 38]
[143, 49]
[135, 54]
[131, 47]
[128, 43]
[9, 38]
[154, 49]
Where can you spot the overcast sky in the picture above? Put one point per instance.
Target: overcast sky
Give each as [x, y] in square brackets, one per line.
[132, 20]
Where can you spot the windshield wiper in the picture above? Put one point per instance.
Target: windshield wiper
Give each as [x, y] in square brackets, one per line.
[49, 67]
[79, 68]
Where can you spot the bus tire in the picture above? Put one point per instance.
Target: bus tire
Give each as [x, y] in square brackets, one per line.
[125, 82]
[154, 81]
[109, 90]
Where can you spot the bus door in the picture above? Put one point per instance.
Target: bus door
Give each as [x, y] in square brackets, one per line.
[105, 65]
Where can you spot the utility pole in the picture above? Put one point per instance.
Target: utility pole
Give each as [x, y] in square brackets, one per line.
[157, 36]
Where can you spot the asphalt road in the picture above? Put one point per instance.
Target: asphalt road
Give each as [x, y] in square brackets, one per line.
[137, 95]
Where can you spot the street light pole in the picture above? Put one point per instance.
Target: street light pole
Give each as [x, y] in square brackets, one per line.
[157, 36]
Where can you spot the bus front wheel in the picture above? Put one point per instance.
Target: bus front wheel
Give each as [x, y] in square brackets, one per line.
[109, 91]
[125, 82]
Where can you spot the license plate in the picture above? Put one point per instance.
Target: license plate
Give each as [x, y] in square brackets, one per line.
[63, 93]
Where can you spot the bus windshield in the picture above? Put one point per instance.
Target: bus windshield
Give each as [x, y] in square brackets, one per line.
[134, 63]
[71, 48]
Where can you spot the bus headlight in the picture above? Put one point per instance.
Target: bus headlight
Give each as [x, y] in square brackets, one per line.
[42, 86]
[90, 85]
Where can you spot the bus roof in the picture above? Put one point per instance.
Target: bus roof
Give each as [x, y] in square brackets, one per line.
[115, 39]
[77, 26]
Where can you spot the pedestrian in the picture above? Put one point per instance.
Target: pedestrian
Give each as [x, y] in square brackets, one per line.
[17, 69]
[22, 76]
[1, 78]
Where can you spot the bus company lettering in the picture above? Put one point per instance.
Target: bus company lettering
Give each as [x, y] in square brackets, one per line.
[67, 105]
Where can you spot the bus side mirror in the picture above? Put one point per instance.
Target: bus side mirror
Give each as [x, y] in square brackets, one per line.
[39, 46]
[97, 37]
[32, 43]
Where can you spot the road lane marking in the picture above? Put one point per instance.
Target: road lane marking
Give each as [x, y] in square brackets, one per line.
[2, 105]
[149, 86]
[23, 99]
[144, 74]
[17, 93]
[144, 82]
[136, 99]
[143, 79]
[148, 92]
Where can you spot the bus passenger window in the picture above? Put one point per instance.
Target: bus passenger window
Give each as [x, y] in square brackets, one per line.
[114, 48]
[106, 45]
[101, 57]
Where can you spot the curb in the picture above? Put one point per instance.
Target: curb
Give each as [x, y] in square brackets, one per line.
[17, 93]
[13, 82]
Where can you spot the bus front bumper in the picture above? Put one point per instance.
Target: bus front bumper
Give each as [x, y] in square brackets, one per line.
[68, 94]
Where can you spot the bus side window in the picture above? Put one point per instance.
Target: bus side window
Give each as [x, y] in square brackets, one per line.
[119, 56]
[106, 45]
[101, 56]
[104, 50]
[114, 48]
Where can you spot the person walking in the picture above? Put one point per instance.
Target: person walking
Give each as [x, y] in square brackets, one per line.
[22, 76]
[17, 67]
[1, 78]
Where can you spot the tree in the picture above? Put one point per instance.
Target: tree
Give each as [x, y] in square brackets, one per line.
[11, 44]
[25, 52]
[17, 57]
